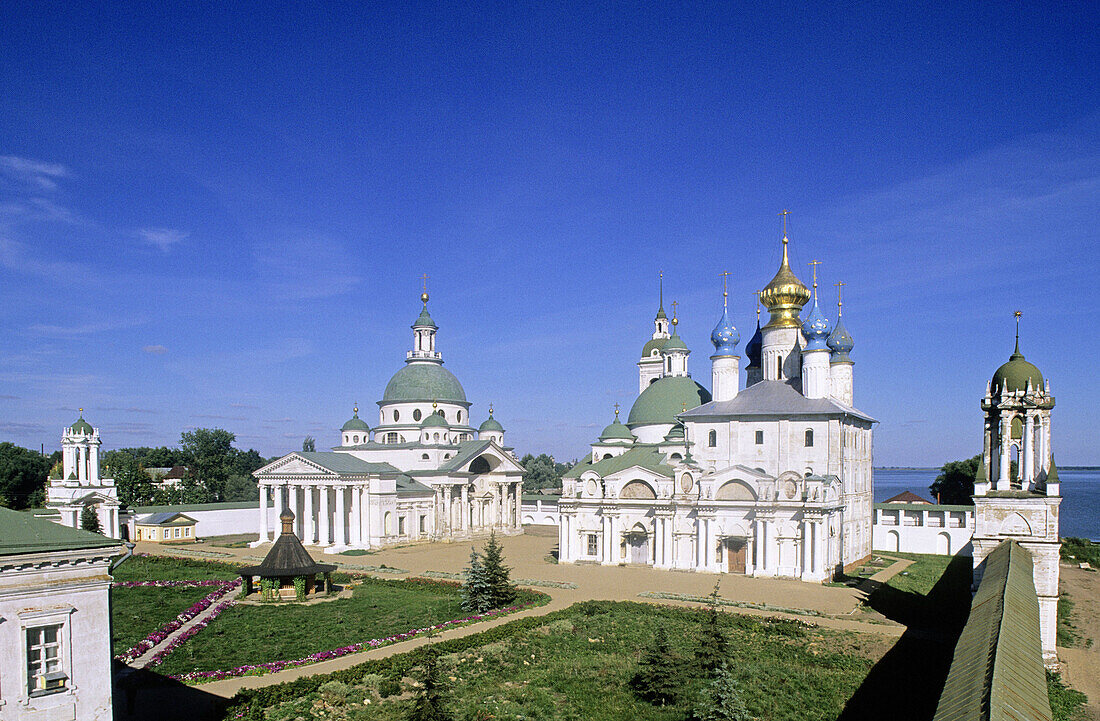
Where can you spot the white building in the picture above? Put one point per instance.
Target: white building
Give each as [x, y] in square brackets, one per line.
[80, 485]
[422, 473]
[1024, 507]
[770, 480]
[54, 621]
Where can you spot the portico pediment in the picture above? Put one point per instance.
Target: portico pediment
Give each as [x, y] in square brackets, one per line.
[294, 465]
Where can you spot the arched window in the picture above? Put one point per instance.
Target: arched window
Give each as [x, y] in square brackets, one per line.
[676, 457]
[606, 456]
[424, 457]
[396, 416]
[440, 413]
[458, 416]
[712, 439]
[779, 367]
[437, 436]
[417, 415]
[809, 438]
[391, 438]
[356, 438]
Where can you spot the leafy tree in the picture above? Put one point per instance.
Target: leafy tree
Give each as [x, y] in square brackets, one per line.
[660, 674]
[309, 445]
[243, 463]
[501, 589]
[721, 699]
[476, 592]
[22, 476]
[210, 457]
[135, 487]
[711, 652]
[89, 521]
[241, 488]
[955, 483]
[542, 471]
[431, 701]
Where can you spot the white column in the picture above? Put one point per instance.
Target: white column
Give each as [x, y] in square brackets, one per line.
[280, 499]
[1003, 479]
[325, 538]
[364, 522]
[341, 517]
[614, 523]
[81, 466]
[309, 520]
[563, 524]
[698, 542]
[356, 517]
[93, 464]
[464, 509]
[446, 508]
[1027, 458]
[263, 514]
[293, 491]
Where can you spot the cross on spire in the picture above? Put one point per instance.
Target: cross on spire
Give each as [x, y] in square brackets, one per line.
[839, 303]
[757, 294]
[674, 317]
[616, 411]
[1018, 314]
[661, 289]
[424, 289]
[785, 213]
[725, 287]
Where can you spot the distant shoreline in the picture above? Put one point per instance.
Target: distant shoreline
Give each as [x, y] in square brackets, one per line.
[937, 470]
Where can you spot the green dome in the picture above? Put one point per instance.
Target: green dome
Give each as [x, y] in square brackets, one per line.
[424, 320]
[434, 419]
[674, 343]
[654, 345]
[616, 432]
[82, 426]
[492, 424]
[355, 423]
[1015, 374]
[676, 433]
[424, 382]
[664, 399]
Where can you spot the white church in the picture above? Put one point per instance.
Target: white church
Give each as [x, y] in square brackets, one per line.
[80, 485]
[773, 479]
[422, 473]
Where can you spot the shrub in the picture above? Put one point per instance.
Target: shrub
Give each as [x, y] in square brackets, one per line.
[476, 592]
[300, 588]
[659, 677]
[721, 699]
[431, 701]
[711, 652]
[334, 692]
[502, 591]
[389, 687]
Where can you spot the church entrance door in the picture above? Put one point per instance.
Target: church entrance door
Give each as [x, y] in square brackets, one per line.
[638, 542]
[735, 555]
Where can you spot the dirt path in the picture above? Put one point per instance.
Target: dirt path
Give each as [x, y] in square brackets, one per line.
[143, 660]
[1081, 665]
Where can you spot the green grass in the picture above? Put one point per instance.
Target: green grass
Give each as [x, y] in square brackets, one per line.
[252, 634]
[934, 592]
[1068, 635]
[924, 573]
[1077, 550]
[1066, 703]
[137, 612]
[577, 667]
[162, 568]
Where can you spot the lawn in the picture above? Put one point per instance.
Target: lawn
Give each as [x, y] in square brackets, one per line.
[934, 591]
[254, 634]
[137, 612]
[577, 664]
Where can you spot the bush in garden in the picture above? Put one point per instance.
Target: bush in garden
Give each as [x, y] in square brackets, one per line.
[389, 687]
[431, 700]
[711, 652]
[501, 589]
[659, 678]
[476, 592]
[334, 692]
[721, 699]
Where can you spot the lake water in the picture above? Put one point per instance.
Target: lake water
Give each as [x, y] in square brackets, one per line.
[1080, 494]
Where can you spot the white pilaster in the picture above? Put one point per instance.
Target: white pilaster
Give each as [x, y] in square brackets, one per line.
[325, 538]
[264, 536]
[309, 518]
[356, 522]
[341, 517]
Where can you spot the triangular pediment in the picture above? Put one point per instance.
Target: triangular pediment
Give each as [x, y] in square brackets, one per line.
[293, 465]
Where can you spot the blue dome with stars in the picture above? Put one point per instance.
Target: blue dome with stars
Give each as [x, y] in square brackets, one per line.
[840, 343]
[816, 328]
[754, 346]
[725, 336]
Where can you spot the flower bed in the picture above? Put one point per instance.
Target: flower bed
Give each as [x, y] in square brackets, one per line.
[168, 584]
[197, 677]
[158, 636]
[180, 639]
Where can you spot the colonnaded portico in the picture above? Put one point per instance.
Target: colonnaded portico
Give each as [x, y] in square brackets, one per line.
[423, 473]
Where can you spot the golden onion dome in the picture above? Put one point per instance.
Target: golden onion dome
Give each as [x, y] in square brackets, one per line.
[784, 296]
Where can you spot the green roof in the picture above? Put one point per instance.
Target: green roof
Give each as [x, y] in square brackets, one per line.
[616, 431]
[355, 423]
[424, 320]
[674, 343]
[467, 451]
[184, 507]
[997, 671]
[424, 381]
[434, 419]
[82, 426]
[23, 533]
[644, 455]
[1016, 374]
[406, 486]
[921, 507]
[653, 345]
[491, 424]
[344, 462]
[666, 398]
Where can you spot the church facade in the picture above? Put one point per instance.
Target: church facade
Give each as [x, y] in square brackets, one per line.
[422, 473]
[80, 485]
[773, 479]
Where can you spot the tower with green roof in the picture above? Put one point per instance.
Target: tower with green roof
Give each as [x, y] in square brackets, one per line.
[651, 365]
[81, 484]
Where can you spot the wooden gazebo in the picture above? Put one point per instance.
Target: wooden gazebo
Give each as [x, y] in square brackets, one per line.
[288, 571]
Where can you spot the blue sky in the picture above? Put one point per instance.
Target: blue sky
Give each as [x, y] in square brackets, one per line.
[219, 217]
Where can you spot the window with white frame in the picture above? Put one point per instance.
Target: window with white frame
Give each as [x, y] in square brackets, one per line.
[166, 534]
[45, 669]
[593, 544]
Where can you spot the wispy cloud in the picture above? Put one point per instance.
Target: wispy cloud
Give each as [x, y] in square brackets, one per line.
[12, 427]
[15, 257]
[155, 349]
[131, 409]
[295, 263]
[9, 398]
[243, 405]
[44, 175]
[163, 238]
[83, 328]
[215, 417]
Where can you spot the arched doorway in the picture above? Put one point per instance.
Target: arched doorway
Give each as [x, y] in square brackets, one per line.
[735, 555]
[637, 545]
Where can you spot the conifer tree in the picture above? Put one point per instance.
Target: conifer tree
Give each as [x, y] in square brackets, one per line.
[89, 521]
[712, 646]
[721, 699]
[501, 589]
[659, 677]
[430, 703]
[476, 592]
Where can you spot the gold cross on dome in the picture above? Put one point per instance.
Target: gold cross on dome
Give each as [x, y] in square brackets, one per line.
[616, 410]
[785, 213]
[839, 303]
[674, 304]
[424, 282]
[814, 264]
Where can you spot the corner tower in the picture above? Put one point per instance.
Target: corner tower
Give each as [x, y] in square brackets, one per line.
[1016, 492]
